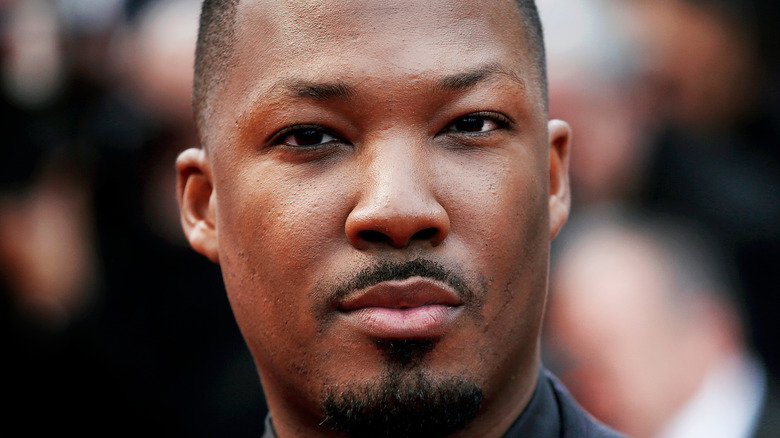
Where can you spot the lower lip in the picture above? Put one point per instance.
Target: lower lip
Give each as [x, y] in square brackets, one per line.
[414, 322]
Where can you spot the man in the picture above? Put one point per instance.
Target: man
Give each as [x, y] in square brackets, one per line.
[651, 334]
[379, 184]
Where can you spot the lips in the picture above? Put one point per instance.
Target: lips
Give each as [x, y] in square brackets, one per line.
[402, 309]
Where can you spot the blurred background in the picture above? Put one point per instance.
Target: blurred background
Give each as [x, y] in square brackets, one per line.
[663, 312]
[109, 318]
[671, 316]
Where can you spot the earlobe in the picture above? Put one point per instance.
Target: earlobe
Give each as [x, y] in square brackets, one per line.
[560, 196]
[197, 201]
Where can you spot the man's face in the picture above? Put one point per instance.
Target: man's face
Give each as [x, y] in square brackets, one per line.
[380, 196]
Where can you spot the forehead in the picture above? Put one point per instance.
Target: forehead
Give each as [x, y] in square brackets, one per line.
[319, 24]
[375, 44]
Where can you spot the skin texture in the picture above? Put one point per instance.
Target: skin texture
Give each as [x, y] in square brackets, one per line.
[396, 179]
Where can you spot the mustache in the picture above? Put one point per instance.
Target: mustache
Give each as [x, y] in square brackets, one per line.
[387, 271]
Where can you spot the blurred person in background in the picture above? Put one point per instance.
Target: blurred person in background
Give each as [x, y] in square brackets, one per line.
[595, 85]
[108, 318]
[648, 332]
[48, 264]
[712, 77]
[676, 107]
[173, 339]
[705, 61]
[46, 249]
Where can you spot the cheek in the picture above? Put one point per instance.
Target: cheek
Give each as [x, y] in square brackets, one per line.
[500, 221]
[272, 230]
[500, 213]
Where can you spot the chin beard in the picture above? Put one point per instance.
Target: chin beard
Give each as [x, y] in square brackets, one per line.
[405, 402]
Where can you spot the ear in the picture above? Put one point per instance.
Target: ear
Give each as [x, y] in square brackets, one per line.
[197, 202]
[560, 196]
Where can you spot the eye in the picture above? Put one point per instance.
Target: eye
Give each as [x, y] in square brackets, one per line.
[305, 136]
[478, 122]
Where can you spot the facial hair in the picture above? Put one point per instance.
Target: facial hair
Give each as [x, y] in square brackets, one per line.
[406, 400]
[404, 404]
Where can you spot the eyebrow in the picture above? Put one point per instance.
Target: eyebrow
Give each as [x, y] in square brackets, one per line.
[323, 91]
[316, 90]
[469, 79]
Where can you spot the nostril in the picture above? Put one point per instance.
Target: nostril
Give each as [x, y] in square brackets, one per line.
[374, 236]
[425, 234]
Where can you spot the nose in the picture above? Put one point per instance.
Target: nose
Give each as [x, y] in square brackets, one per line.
[397, 204]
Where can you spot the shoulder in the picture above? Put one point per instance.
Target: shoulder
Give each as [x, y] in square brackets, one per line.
[575, 422]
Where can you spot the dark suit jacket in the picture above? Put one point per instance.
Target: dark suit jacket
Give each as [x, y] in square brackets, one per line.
[552, 412]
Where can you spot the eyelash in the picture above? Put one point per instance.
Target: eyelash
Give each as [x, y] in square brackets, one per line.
[281, 136]
[500, 120]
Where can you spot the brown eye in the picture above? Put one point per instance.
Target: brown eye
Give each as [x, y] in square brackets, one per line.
[307, 137]
[478, 123]
[470, 124]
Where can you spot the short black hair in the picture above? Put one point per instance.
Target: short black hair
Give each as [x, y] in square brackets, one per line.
[213, 50]
[216, 36]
